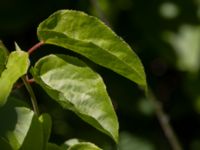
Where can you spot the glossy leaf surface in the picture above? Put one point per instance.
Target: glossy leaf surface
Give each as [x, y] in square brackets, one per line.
[91, 38]
[17, 65]
[3, 57]
[76, 87]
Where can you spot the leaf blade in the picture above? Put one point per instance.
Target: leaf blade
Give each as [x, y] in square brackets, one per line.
[91, 38]
[22, 130]
[76, 144]
[17, 65]
[76, 87]
[84, 146]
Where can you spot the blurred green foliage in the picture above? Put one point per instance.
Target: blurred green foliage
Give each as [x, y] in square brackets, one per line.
[164, 33]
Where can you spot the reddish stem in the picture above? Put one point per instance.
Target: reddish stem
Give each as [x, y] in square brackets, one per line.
[19, 85]
[35, 47]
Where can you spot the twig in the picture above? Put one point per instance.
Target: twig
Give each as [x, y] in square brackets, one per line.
[164, 122]
[32, 95]
[35, 47]
[19, 85]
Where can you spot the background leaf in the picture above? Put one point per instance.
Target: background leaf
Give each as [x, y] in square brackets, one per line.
[17, 65]
[130, 142]
[76, 87]
[91, 38]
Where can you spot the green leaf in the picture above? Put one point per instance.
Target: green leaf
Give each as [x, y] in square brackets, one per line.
[22, 130]
[84, 146]
[3, 57]
[46, 122]
[34, 139]
[91, 38]
[130, 142]
[17, 65]
[70, 143]
[76, 87]
[76, 144]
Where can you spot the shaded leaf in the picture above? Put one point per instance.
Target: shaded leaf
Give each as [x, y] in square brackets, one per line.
[4, 145]
[91, 38]
[34, 139]
[17, 65]
[3, 57]
[76, 87]
[46, 122]
[22, 130]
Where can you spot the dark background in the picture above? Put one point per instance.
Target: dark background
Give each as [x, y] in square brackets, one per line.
[164, 34]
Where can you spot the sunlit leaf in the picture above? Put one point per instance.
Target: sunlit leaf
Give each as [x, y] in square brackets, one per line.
[17, 65]
[91, 38]
[3, 57]
[70, 143]
[76, 87]
[84, 146]
[76, 144]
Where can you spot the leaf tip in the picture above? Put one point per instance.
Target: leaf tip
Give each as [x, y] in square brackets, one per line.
[17, 48]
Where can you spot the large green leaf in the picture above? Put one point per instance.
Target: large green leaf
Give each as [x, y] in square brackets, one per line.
[91, 38]
[3, 57]
[76, 87]
[20, 127]
[17, 65]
